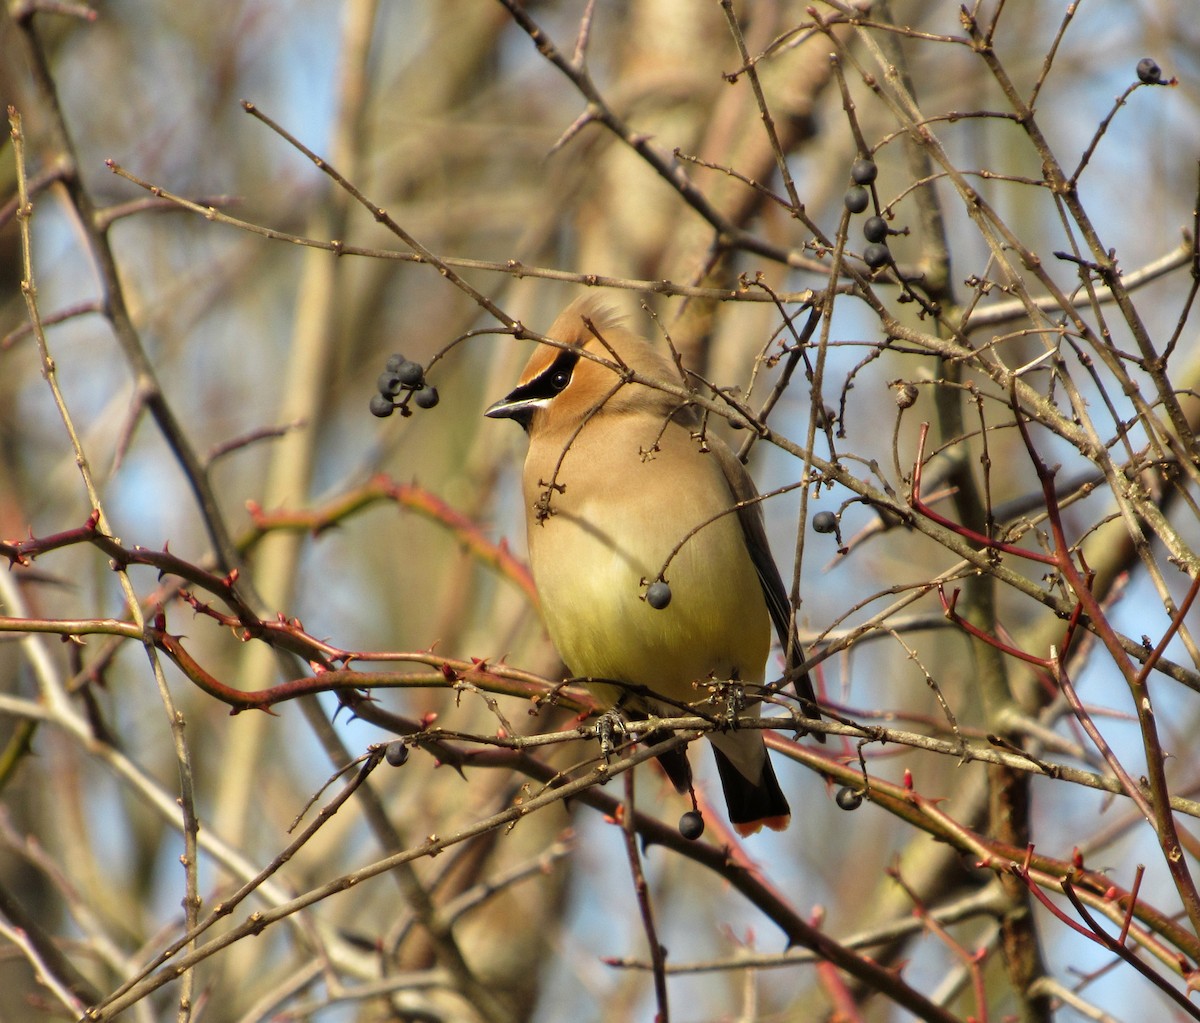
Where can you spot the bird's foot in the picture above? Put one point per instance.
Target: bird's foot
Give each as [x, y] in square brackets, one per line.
[612, 731]
[731, 697]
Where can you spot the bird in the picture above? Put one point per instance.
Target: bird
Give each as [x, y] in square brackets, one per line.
[620, 479]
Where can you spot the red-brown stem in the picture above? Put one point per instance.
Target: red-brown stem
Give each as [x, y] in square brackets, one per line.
[970, 960]
[978, 633]
[408, 495]
[1161, 818]
[844, 1006]
[1176, 622]
[1133, 894]
[1067, 688]
[919, 506]
[1102, 937]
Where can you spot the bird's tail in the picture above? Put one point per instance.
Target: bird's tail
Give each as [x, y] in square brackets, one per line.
[752, 793]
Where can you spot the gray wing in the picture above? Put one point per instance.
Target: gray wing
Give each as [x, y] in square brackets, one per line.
[750, 516]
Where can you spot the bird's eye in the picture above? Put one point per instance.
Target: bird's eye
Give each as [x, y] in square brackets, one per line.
[551, 381]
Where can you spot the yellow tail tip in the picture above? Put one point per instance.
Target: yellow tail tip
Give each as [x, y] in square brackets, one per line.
[748, 828]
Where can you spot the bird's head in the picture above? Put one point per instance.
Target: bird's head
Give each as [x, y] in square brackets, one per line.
[562, 386]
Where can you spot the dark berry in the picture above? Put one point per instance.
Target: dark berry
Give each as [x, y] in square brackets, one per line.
[1148, 71]
[410, 374]
[381, 406]
[856, 198]
[658, 595]
[863, 172]
[875, 229]
[395, 362]
[848, 798]
[387, 384]
[426, 397]
[395, 753]
[825, 522]
[691, 825]
[876, 255]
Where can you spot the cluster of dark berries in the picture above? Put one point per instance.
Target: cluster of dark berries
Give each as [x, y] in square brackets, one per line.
[402, 375]
[857, 198]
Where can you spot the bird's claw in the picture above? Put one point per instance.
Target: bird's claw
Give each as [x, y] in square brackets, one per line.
[733, 697]
[611, 731]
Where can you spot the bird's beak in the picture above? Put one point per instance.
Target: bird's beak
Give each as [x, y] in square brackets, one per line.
[515, 405]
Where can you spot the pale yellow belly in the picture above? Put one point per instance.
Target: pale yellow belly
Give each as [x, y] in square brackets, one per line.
[592, 560]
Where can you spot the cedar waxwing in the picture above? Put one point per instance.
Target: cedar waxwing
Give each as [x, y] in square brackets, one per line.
[616, 477]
